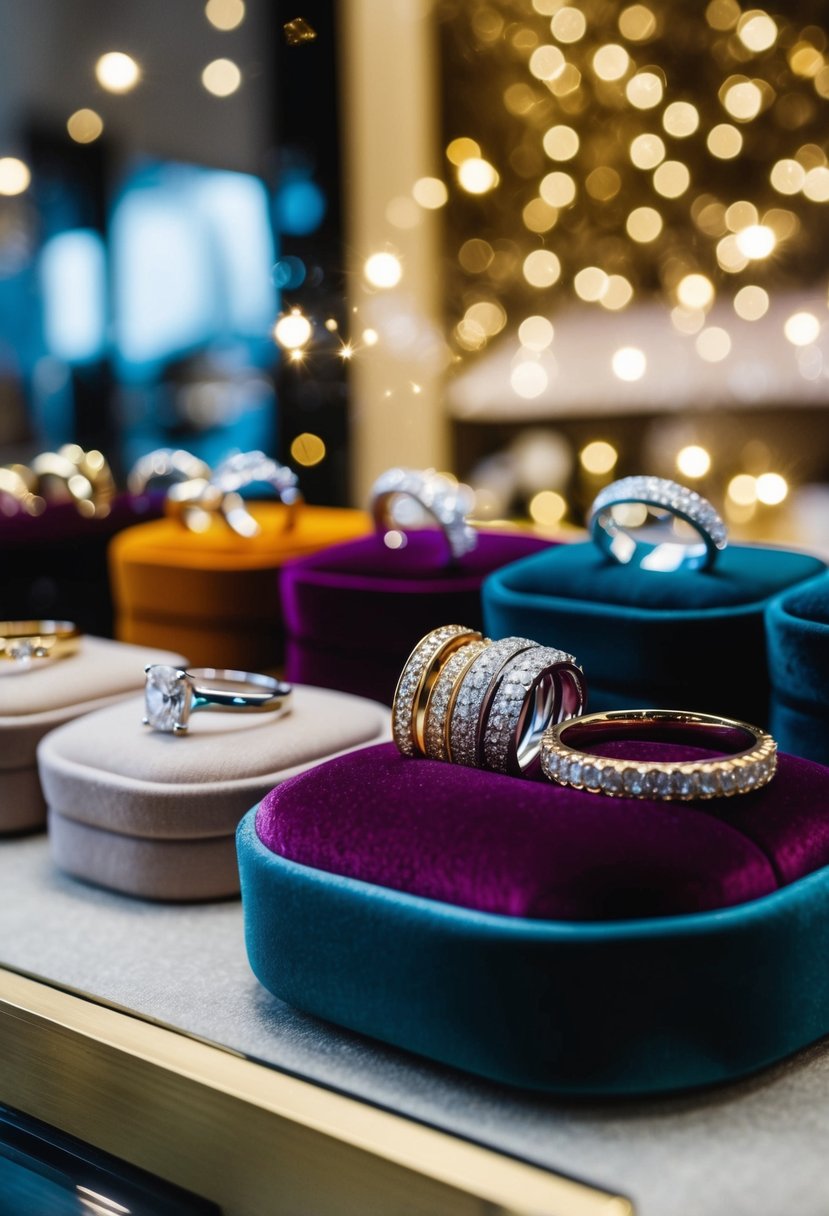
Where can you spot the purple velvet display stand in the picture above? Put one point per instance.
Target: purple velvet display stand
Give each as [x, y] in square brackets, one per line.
[353, 612]
[55, 564]
[542, 936]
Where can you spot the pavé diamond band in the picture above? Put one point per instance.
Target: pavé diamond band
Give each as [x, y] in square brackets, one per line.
[21, 642]
[171, 694]
[198, 499]
[623, 532]
[484, 704]
[443, 499]
[749, 763]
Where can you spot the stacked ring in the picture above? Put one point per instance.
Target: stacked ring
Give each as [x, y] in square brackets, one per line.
[468, 700]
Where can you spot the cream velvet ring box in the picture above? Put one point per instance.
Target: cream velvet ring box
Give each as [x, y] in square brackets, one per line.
[154, 815]
[34, 700]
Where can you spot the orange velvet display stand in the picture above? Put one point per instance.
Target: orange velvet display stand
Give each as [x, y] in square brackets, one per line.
[214, 596]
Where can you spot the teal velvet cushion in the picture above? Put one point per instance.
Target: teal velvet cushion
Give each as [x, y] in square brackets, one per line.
[797, 628]
[684, 639]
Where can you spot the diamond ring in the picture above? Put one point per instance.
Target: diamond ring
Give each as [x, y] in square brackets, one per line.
[750, 761]
[171, 694]
[198, 499]
[23, 641]
[164, 467]
[656, 524]
[401, 500]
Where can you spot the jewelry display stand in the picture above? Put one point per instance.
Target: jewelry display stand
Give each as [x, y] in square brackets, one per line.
[154, 815]
[684, 639]
[353, 610]
[797, 630]
[34, 700]
[542, 936]
[214, 595]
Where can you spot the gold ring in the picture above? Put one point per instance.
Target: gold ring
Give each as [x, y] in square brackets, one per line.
[86, 479]
[749, 763]
[22, 641]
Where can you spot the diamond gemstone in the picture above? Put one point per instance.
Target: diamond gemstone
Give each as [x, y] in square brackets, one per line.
[165, 696]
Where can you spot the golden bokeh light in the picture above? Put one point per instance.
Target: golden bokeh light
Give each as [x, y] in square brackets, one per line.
[293, 330]
[383, 270]
[541, 268]
[84, 126]
[713, 344]
[756, 241]
[568, 24]
[695, 291]
[528, 380]
[15, 176]
[370, 337]
[637, 23]
[805, 60]
[519, 98]
[603, 183]
[225, 14]
[771, 489]
[590, 284]
[547, 62]
[470, 335]
[539, 216]
[629, 363]
[802, 328]
[221, 77]
[742, 490]
[757, 31]
[743, 99]
[611, 62]
[403, 212]
[724, 141]
[644, 224]
[671, 179]
[462, 149]
[430, 192]
[693, 461]
[647, 151]
[561, 142]
[489, 315]
[618, 294]
[536, 333]
[644, 90]
[751, 302]
[475, 255]
[730, 257]
[477, 176]
[558, 189]
[740, 215]
[117, 72]
[680, 119]
[722, 14]
[307, 449]
[598, 457]
[687, 320]
[547, 508]
[816, 184]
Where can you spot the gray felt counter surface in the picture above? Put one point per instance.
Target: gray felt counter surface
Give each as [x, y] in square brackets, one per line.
[758, 1147]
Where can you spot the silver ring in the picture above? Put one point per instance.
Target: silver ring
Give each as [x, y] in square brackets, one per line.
[164, 467]
[171, 694]
[400, 497]
[656, 545]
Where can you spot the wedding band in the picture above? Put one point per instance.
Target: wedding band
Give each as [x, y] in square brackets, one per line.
[750, 761]
[23, 641]
[171, 694]
[164, 467]
[399, 496]
[242, 469]
[659, 546]
[419, 673]
[85, 476]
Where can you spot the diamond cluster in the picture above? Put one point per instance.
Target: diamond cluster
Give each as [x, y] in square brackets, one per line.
[660, 492]
[675, 782]
[417, 666]
[474, 689]
[447, 500]
[438, 706]
[514, 683]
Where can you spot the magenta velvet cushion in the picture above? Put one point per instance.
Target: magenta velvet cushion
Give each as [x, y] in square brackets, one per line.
[353, 612]
[528, 848]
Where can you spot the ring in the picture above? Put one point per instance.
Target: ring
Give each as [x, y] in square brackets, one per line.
[164, 467]
[399, 498]
[171, 694]
[242, 469]
[16, 491]
[614, 523]
[750, 762]
[85, 476]
[468, 700]
[22, 641]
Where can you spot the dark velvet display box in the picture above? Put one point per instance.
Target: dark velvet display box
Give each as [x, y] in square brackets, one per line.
[541, 936]
[797, 629]
[353, 612]
[680, 640]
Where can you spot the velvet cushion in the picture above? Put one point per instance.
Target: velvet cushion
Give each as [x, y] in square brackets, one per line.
[353, 612]
[215, 595]
[797, 626]
[685, 639]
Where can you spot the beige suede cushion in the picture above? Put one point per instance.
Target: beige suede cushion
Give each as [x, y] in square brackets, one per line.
[34, 701]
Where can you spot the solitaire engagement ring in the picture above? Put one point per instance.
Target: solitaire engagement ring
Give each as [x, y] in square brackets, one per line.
[656, 524]
[171, 694]
[21, 642]
[403, 500]
[749, 763]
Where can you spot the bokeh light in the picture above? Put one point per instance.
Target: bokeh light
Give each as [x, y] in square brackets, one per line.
[117, 72]
[536, 333]
[307, 449]
[430, 192]
[477, 176]
[221, 77]
[528, 379]
[801, 328]
[693, 461]
[15, 175]
[84, 126]
[771, 489]
[547, 508]
[629, 363]
[225, 14]
[742, 490]
[292, 330]
[598, 457]
[541, 268]
[383, 270]
[751, 302]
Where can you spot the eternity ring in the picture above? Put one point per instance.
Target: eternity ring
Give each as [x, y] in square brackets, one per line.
[171, 695]
[401, 497]
[164, 467]
[22, 641]
[750, 761]
[618, 524]
[198, 499]
[485, 704]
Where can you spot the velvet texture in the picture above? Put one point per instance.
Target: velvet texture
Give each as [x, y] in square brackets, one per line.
[541, 936]
[55, 565]
[214, 596]
[688, 640]
[797, 630]
[354, 612]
